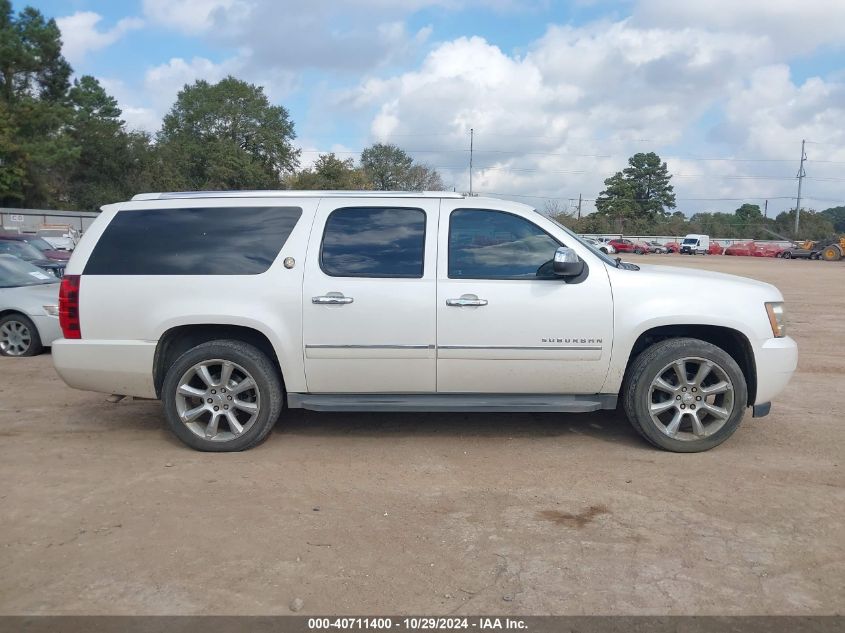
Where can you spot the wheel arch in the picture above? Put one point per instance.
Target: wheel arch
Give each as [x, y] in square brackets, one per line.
[8, 311]
[730, 340]
[179, 339]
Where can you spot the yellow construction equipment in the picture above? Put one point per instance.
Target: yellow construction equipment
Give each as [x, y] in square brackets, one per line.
[835, 251]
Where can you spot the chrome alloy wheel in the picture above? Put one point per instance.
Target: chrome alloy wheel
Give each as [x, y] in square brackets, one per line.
[691, 398]
[217, 400]
[15, 338]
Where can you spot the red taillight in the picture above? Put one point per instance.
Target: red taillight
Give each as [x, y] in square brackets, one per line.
[69, 306]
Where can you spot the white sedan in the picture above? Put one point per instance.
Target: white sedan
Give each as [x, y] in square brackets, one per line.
[604, 247]
[29, 299]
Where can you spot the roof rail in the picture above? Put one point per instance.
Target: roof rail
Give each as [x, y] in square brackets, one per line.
[181, 195]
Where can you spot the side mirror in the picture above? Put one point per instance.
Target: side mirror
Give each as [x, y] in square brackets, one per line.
[567, 263]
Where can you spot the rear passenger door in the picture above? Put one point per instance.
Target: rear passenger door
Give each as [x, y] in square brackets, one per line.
[369, 322]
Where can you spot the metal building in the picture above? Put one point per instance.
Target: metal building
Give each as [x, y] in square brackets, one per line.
[30, 220]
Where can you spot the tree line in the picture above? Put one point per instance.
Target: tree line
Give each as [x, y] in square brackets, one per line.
[64, 145]
[640, 200]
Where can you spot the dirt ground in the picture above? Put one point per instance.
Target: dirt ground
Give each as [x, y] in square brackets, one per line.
[104, 512]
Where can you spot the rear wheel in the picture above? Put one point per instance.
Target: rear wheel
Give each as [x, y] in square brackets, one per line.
[19, 336]
[685, 395]
[222, 396]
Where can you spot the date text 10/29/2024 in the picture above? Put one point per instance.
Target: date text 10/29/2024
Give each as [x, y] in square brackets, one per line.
[418, 623]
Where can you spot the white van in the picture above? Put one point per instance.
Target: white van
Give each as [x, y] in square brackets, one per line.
[231, 306]
[695, 244]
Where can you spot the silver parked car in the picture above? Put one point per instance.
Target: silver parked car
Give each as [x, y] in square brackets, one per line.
[29, 310]
[604, 247]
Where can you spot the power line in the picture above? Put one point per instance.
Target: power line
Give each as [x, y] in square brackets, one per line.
[518, 152]
[581, 171]
[518, 195]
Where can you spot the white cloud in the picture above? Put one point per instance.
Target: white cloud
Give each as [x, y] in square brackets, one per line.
[794, 26]
[81, 36]
[192, 16]
[167, 79]
[770, 107]
[565, 115]
[283, 36]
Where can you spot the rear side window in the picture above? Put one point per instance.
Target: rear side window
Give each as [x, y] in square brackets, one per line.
[213, 241]
[374, 242]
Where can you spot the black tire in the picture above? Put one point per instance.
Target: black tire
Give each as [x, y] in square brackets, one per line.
[21, 325]
[645, 368]
[259, 367]
[786, 255]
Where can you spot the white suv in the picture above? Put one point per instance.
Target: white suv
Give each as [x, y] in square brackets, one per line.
[229, 306]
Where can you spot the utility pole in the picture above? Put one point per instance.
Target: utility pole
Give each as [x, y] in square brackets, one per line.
[579, 206]
[800, 177]
[471, 134]
[766, 209]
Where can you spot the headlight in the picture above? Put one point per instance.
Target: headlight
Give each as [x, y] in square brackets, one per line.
[776, 318]
[51, 310]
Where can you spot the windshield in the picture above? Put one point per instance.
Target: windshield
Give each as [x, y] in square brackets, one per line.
[690, 240]
[52, 232]
[607, 259]
[15, 272]
[40, 244]
[20, 249]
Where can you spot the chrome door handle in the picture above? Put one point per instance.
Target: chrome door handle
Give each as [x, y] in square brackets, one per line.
[332, 299]
[466, 300]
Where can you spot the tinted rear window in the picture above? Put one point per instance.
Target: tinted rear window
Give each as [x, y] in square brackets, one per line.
[374, 242]
[214, 241]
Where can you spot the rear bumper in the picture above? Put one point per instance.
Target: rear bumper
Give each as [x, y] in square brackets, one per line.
[776, 361]
[122, 367]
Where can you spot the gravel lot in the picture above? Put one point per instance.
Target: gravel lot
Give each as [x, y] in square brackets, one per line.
[104, 512]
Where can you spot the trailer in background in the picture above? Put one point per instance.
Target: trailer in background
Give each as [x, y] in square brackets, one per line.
[30, 220]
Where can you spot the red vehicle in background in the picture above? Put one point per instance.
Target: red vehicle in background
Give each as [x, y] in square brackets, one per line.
[743, 249]
[768, 250]
[715, 249]
[755, 249]
[624, 245]
[673, 247]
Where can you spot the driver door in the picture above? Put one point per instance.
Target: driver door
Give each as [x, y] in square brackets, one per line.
[500, 327]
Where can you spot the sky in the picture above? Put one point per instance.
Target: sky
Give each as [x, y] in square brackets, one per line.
[558, 94]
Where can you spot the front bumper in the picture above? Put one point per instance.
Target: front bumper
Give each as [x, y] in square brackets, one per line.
[776, 359]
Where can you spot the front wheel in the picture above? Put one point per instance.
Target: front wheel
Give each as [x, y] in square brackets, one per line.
[222, 396]
[685, 395]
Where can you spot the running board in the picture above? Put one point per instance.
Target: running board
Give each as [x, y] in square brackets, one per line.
[454, 402]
